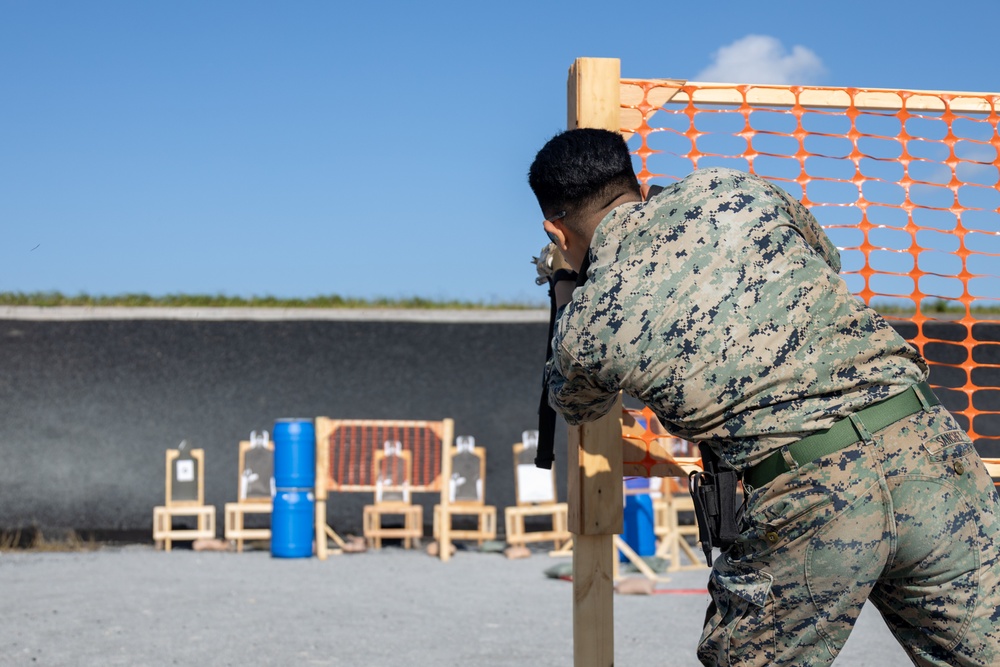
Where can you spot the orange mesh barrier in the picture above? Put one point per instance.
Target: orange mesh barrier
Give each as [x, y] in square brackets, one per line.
[904, 182]
[353, 443]
[648, 450]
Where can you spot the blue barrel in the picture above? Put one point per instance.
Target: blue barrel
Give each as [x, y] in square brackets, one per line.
[294, 454]
[292, 524]
[637, 528]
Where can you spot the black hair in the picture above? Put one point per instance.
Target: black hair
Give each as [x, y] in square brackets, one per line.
[581, 169]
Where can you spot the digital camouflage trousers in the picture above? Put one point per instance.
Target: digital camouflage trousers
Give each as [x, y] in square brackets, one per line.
[907, 518]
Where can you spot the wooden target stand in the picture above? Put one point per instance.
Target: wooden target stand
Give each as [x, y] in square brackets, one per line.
[326, 483]
[468, 462]
[252, 498]
[647, 450]
[394, 472]
[185, 496]
[671, 533]
[536, 496]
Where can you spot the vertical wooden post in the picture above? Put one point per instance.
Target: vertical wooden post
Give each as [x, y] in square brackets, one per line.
[595, 516]
[322, 466]
[444, 536]
[595, 455]
[593, 94]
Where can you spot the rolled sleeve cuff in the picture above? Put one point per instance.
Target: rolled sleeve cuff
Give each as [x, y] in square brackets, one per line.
[578, 398]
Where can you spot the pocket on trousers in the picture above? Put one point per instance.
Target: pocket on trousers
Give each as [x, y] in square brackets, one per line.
[790, 507]
[740, 628]
[949, 447]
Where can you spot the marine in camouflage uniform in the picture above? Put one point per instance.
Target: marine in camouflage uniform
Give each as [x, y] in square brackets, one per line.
[718, 304]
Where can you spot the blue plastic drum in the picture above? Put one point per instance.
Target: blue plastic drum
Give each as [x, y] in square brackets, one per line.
[292, 524]
[637, 526]
[294, 454]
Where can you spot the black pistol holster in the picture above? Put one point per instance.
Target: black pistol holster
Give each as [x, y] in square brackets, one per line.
[713, 490]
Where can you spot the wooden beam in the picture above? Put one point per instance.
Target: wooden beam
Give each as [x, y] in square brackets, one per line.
[593, 93]
[594, 487]
[322, 433]
[444, 537]
[593, 609]
[595, 465]
[632, 95]
[873, 99]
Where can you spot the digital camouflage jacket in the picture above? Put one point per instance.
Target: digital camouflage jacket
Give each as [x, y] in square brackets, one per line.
[718, 304]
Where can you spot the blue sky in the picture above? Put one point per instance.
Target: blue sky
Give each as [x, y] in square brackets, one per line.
[369, 149]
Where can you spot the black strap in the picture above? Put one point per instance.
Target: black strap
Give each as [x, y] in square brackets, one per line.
[581, 277]
[545, 454]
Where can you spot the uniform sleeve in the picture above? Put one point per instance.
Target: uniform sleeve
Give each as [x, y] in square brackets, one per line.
[573, 392]
[807, 225]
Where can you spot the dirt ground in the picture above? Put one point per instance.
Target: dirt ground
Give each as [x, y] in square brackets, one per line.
[135, 606]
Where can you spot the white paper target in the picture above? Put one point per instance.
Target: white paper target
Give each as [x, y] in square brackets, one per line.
[185, 470]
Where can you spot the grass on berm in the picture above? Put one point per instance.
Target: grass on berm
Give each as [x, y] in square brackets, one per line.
[931, 307]
[54, 299]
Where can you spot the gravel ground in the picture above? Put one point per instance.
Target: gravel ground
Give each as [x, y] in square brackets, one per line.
[137, 606]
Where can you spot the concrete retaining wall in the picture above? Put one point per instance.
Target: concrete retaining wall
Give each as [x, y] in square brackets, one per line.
[88, 406]
[90, 400]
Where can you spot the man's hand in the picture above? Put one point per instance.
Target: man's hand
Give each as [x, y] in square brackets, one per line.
[553, 269]
[549, 261]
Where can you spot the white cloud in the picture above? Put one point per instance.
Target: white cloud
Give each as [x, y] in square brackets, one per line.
[763, 59]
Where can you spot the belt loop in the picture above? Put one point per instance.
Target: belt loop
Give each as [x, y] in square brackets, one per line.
[921, 397]
[789, 461]
[860, 427]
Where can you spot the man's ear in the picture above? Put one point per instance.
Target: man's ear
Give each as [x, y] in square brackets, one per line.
[571, 246]
[558, 231]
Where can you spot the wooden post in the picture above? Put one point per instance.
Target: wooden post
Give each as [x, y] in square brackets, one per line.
[320, 492]
[593, 94]
[594, 487]
[444, 537]
[595, 455]
[594, 493]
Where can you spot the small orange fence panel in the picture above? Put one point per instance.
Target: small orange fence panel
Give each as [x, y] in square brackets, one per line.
[351, 446]
[648, 450]
[904, 182]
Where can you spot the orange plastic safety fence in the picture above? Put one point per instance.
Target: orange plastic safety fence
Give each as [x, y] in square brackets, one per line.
[353, 443]
[648, 450]
[904, 182]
